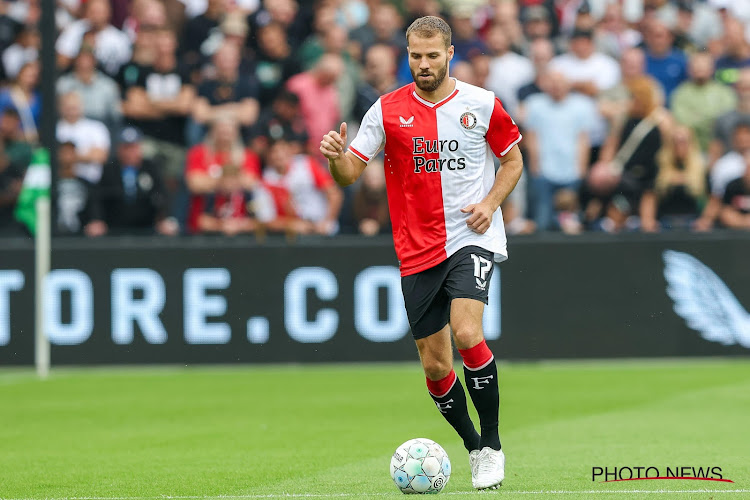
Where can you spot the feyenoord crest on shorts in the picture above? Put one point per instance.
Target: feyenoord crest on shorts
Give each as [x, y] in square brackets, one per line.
[438, 160]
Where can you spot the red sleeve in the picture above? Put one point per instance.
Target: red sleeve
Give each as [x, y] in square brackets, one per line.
[252, 163]
[502, 133]
[321, 177]
[195, 162]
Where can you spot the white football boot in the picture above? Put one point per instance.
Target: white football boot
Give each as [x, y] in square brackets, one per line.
[490, 469]
[473, 459]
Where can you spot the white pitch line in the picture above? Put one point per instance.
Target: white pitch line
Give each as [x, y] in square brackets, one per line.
[341, 495]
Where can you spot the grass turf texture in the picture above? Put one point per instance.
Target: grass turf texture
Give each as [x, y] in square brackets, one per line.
[330, 430]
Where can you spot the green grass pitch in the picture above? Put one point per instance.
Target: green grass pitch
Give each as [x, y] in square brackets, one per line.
[328, 431]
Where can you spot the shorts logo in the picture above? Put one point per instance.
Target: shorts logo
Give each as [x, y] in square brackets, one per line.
[405, 122]
[481, 267]
[468, 120]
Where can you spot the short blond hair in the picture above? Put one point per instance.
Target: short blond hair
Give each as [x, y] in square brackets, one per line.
[429, 26]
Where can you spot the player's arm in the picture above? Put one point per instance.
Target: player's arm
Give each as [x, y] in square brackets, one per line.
[343, 165]
[511, 167]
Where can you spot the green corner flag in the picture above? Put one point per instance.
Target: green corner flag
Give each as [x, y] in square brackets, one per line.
[36, 184]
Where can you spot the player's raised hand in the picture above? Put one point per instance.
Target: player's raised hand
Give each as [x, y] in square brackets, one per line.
[333, 144]
[481, 217]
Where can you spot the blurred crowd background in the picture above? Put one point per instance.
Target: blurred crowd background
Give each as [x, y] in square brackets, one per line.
[205, 116]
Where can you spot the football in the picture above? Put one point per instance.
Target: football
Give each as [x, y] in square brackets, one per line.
[420, 466]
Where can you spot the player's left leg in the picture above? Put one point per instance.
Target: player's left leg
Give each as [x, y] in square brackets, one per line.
[467, 285]
[480, 370]
[480, 373]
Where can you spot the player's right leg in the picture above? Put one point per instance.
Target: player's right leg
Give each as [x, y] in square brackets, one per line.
[428, 307]
[436, 354]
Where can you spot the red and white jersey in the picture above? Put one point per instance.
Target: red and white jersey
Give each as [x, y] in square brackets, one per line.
[438, 160]
[306, 182]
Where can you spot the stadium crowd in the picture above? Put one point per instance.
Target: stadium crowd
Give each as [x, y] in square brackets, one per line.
[205, 116]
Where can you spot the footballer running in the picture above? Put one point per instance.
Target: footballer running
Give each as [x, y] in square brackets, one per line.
[439, 136]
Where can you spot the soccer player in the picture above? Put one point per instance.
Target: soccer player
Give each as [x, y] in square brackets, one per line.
[439, 135]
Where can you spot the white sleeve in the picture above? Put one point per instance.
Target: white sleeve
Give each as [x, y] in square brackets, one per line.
[100, 134]
[69, 41]
[371, 136]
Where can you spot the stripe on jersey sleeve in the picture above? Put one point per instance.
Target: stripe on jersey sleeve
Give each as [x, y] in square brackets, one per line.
[359, 155]
[502, 132]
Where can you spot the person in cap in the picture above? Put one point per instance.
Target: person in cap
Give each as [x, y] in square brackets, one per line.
[132, 197]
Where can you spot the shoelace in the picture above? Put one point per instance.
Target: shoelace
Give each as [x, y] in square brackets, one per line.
[488, 463]
[474, 464]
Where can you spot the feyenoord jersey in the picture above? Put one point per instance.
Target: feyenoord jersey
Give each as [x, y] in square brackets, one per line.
[438, 160]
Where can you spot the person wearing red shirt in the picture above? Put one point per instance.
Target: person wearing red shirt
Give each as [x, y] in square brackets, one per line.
[205, 162]
[440, 137]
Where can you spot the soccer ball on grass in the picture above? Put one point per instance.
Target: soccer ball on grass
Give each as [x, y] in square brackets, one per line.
[420, 466]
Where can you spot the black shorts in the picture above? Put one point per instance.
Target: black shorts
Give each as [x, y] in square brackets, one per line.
[427, 295]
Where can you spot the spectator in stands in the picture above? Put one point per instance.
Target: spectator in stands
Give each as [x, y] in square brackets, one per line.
[222, 146]
[152, 13]
[508, 71]
[99, 93]
[465, 39]
[698, 102]
[228, 210]
[314, 195]
[144, 51]
[378, 78]
[91, 137]
[319, 102]
[324, 20]
[735, 212]
[198, 29]
[132, 197]
[506, 15]
[158, 105]
[613, 36]
[281, 121]
[589, 73]
[335, 42]
[664, 62]
[229, 92]
[11, 180]
[537, 25]
[23, 96]
[111, 46]
[15, 147]
[385, 26]
[727, 168]
[696, 25]
[24, 50]
[724, 125]
[370, 201]
[541, 52]
[680, 185]
[613, 103]
[295, 22]
[275, 61]
[556, 133]
[622, 181]
[736, 53]
[75, 197]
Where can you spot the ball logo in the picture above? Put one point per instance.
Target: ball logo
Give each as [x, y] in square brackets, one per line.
[468, 120]
[438, 483]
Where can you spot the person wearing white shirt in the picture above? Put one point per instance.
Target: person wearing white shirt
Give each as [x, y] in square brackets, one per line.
[589, 72]
[111, 46]
[508, 71]
[90, 137]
